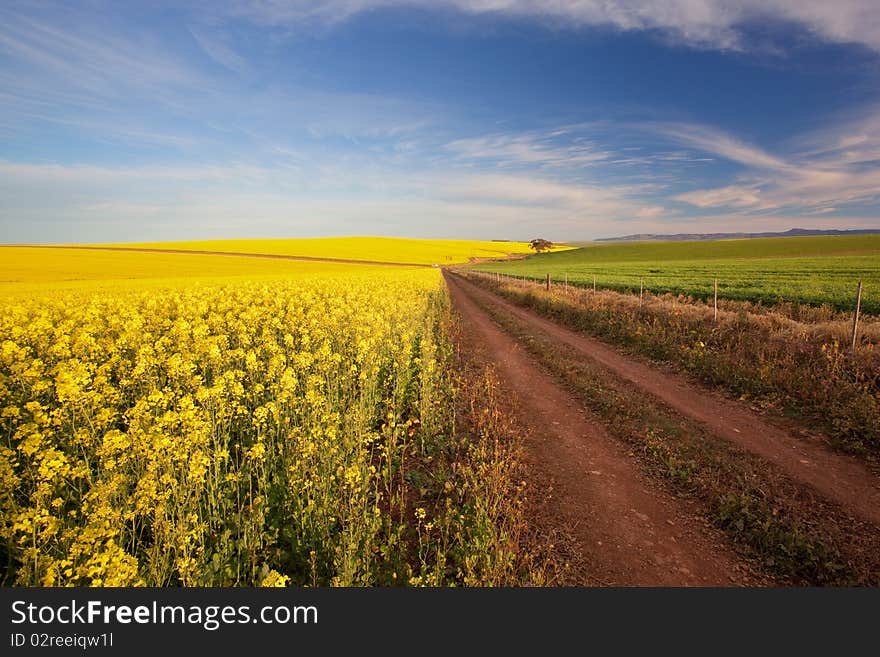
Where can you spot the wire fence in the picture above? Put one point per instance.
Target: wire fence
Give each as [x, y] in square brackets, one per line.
[547, 283]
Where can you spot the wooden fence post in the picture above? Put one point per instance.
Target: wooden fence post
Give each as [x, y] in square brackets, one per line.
[715, 317]
[641, 290]
[855, 331]
[548, 280]
[594, 282]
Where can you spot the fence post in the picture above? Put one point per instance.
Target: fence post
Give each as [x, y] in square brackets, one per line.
[715, 317]
[548, 280]
[594, 282]
[855, 330]
[641, 290]
[566, 280]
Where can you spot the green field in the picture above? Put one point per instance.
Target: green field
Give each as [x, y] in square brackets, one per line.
[807, 270]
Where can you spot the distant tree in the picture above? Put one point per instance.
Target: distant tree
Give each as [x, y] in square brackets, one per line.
[541, 245]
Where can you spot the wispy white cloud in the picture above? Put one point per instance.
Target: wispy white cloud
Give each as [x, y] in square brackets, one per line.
[131, 203]
[92, 57]
[591, 201]
[735, 196]
[444, 200]
[716, 24]
[711, 140]
[125, 83]
[853, 139]
[84, 174]
[541, 149]
[217, 49]
[841, 166]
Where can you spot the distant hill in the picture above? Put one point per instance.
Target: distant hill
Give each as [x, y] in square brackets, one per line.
[681, 237]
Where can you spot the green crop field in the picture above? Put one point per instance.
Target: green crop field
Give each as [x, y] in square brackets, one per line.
[807, 270]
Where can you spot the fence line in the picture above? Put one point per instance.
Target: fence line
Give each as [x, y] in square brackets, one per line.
[524, 280]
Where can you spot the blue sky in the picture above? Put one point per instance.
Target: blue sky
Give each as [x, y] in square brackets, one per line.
[436, 118]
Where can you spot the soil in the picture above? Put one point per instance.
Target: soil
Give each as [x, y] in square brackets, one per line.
[840, 478]
[627, 531]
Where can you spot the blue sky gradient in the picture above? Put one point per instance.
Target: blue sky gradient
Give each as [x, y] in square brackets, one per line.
[445, 118]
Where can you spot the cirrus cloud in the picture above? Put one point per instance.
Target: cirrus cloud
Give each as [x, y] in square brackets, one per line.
[714, 24]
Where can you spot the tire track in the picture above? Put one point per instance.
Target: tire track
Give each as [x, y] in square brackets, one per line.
[628, 532]
[839, 478]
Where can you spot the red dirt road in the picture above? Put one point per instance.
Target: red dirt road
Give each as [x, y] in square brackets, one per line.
[627, 531]
[838, 478]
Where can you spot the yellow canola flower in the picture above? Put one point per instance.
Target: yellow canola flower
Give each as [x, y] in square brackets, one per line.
[161, 433]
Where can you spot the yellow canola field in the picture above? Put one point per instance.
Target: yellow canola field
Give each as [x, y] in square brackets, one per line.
[28, 270]
[245, 430]
[378, 249]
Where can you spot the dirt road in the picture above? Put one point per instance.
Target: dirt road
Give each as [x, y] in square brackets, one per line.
[837, 477]
[628, 532]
